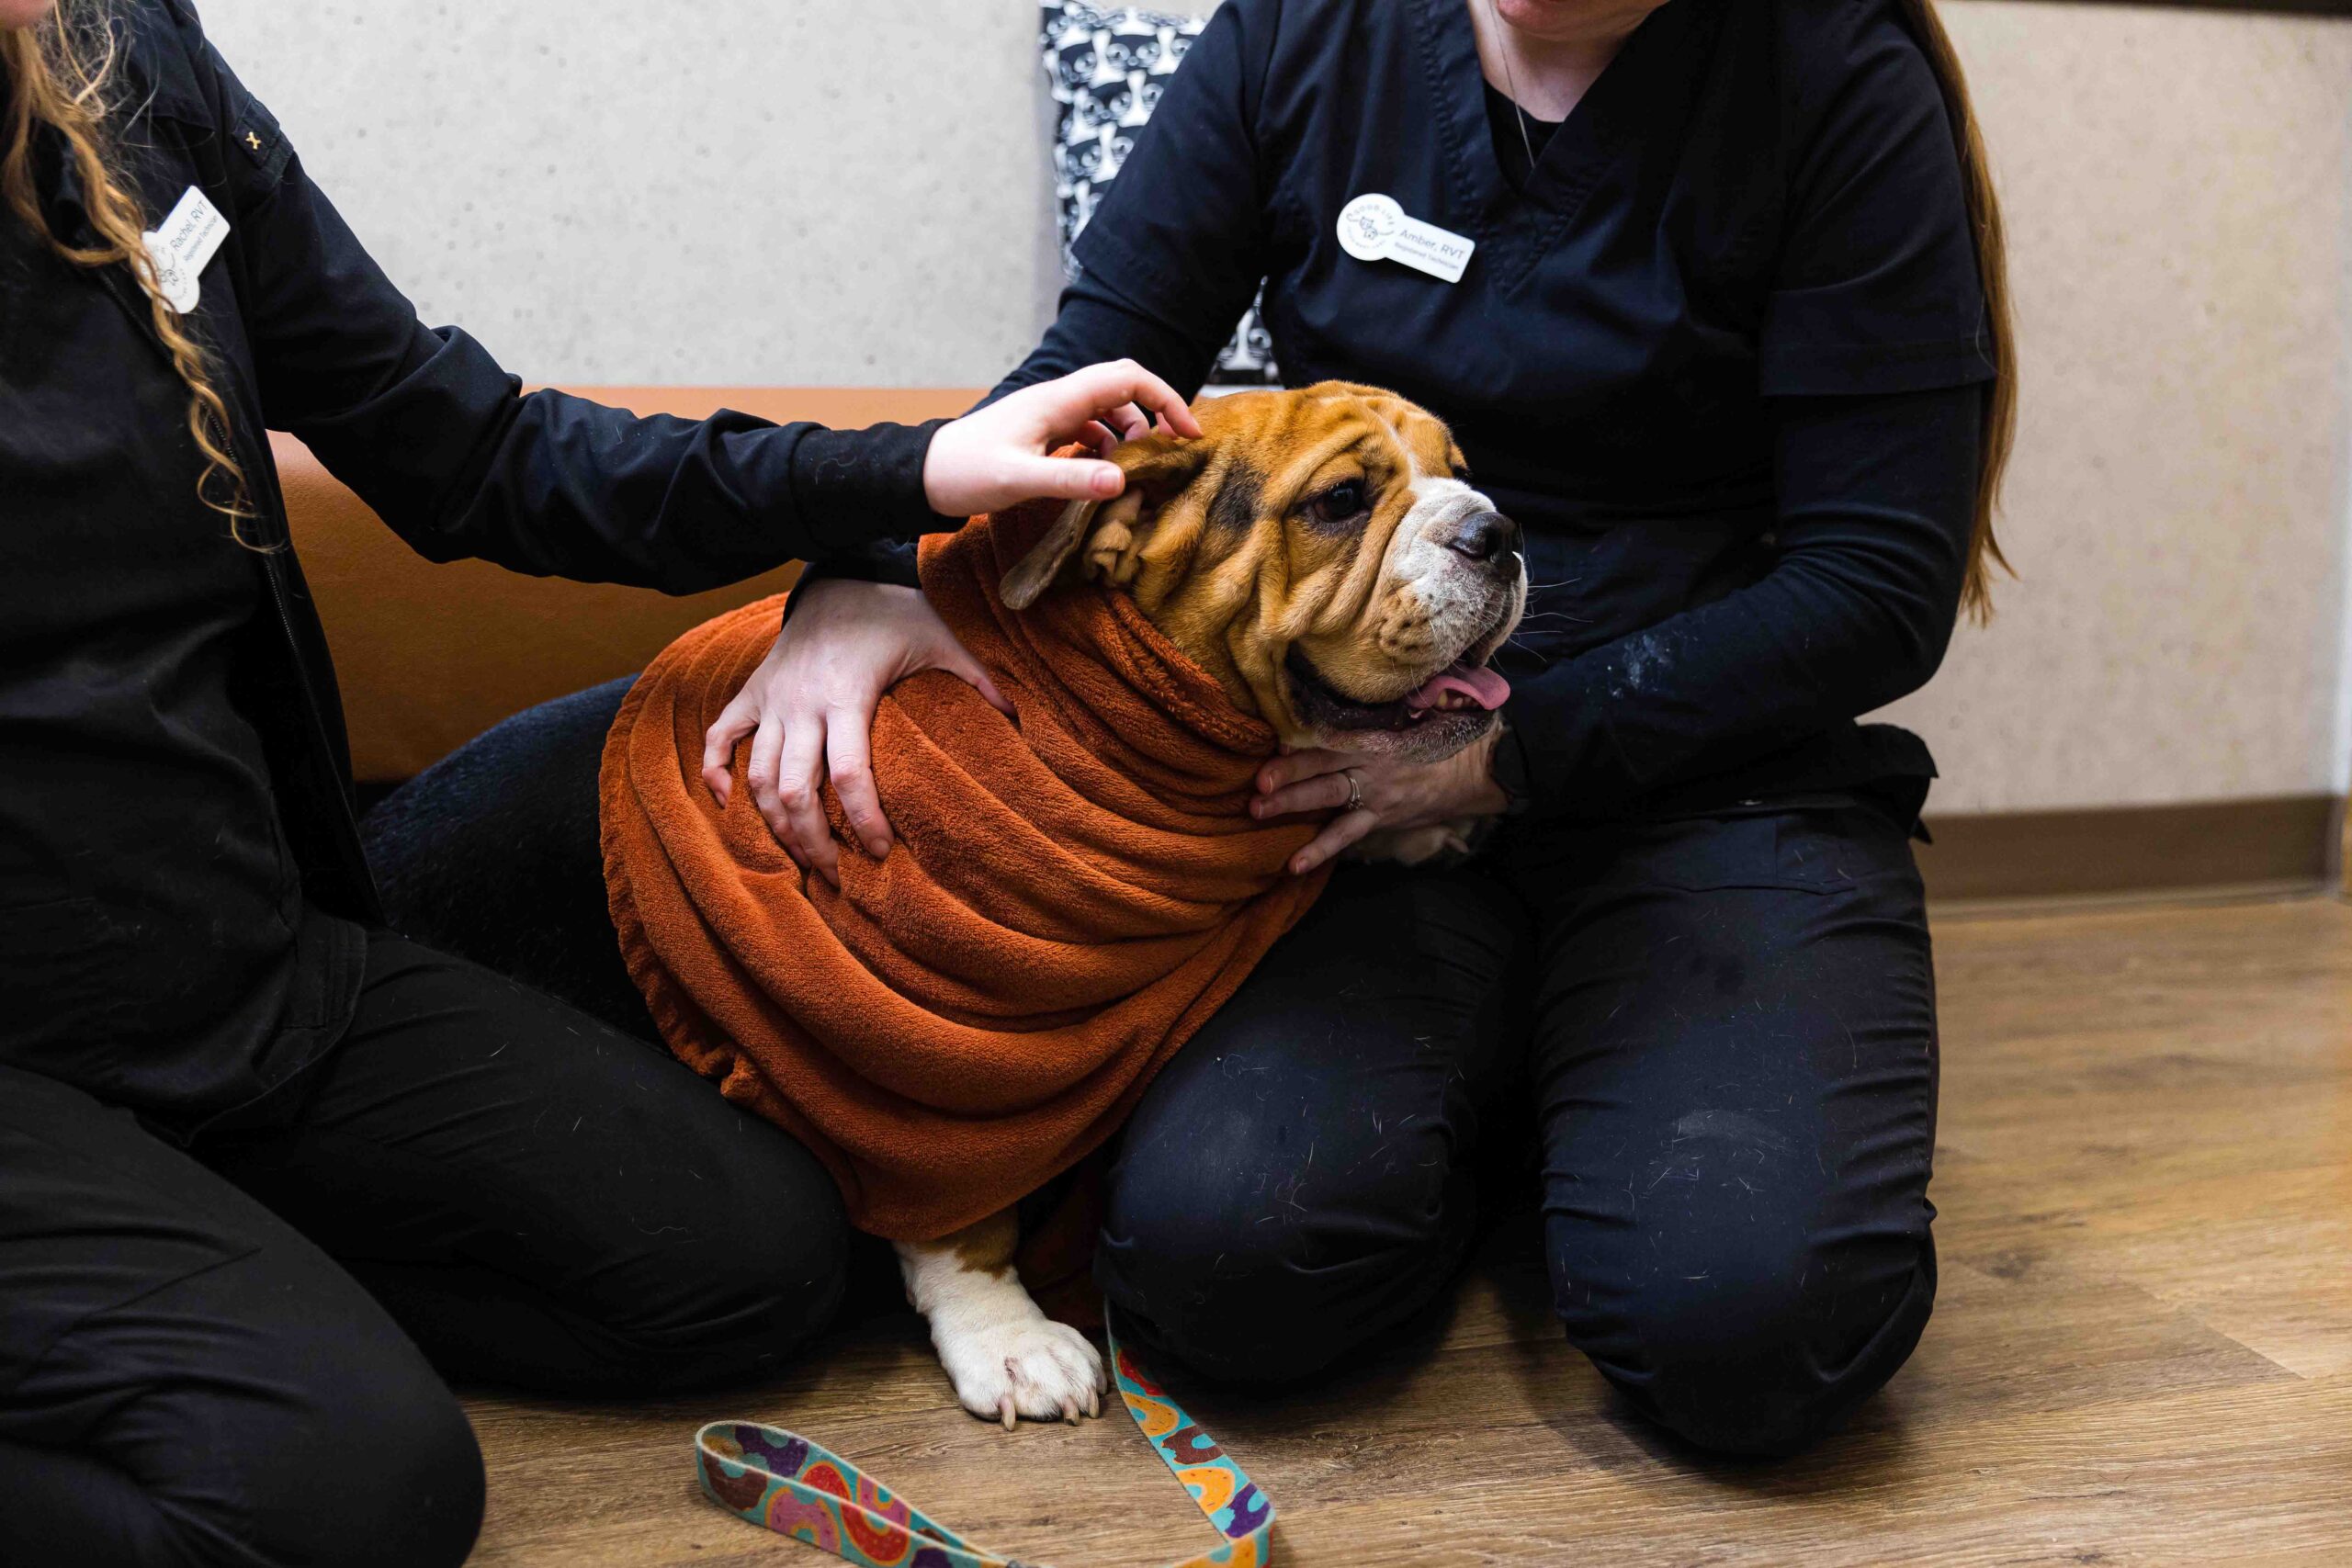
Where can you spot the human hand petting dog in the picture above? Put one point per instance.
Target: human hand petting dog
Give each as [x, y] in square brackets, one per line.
[999, 455]
[809, 711]
[809, 706]
[1390, 796]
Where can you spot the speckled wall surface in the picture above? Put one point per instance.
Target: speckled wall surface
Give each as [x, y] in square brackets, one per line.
[2178, 190]
[728, 192]
[823, 191]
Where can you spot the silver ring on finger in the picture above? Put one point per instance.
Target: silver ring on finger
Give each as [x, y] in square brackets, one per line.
[1355, 789]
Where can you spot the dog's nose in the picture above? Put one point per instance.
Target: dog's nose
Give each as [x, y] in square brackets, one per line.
[1484, 537]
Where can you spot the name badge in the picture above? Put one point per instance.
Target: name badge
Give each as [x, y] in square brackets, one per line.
[183, 246]
[1374, 227]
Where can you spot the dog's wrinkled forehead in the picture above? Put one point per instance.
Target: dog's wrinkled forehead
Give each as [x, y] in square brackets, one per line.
[1279, 447]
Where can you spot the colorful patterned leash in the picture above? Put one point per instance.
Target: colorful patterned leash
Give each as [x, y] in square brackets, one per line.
[782, 1480]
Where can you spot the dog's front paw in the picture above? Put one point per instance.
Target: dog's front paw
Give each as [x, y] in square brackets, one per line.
[1030, 1366]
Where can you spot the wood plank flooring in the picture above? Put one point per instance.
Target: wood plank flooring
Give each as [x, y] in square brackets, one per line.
[2141, 1351]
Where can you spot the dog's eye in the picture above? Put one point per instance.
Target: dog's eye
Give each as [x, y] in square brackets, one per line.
[1342, 502]
[1462, 472]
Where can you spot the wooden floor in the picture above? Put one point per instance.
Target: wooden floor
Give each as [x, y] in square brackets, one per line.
[2141, 1351]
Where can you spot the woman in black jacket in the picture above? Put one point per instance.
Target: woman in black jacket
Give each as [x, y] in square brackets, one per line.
[265, 1167]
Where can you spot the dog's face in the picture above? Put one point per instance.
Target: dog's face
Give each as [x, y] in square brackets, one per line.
[1323, 554]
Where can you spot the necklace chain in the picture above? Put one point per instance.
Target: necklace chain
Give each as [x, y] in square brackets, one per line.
[1511, 83]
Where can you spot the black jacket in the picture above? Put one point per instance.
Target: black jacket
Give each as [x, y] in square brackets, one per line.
[306, 335]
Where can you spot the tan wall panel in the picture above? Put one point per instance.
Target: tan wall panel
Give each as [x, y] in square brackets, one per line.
[2175, 184]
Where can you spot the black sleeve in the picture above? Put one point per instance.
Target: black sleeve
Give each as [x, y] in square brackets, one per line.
[441, 442]
[1876, 288]
[1096, 322]
[1877, 498]
[1183, 236]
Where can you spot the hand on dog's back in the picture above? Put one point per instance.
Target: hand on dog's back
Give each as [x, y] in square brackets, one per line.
[809, 706]
[809, 711]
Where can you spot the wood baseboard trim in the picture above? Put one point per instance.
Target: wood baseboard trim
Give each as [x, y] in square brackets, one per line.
[2286, 843]
[2254, 7]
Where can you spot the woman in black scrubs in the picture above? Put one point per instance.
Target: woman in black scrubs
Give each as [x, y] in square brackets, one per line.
[266, 1169]
[1731, 345]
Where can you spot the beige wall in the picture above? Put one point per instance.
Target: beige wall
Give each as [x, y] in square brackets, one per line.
[726, 192]
[2178, 190]
[828, 191]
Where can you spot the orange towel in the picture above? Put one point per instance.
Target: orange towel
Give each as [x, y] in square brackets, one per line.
[1067, 902]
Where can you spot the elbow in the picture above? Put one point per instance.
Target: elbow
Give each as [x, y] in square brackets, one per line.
[1908, 650]
[1894, 621]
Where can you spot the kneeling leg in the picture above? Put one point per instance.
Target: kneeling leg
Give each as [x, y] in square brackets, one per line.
[1736, 1068]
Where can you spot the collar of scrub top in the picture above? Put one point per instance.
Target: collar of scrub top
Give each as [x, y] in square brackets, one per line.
[1653, 82]
[57, 186]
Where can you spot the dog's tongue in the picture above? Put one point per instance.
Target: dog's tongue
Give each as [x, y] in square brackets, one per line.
[1481, 686]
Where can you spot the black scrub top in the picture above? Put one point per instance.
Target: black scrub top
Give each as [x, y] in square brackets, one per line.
[1723, 355]
[183, 898]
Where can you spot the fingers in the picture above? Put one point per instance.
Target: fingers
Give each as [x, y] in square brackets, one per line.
[953, 658]
[1321, 792]
[760, 772]
[1064, 479]
[1293, 766]
[987, 688]
[1101, 389]
[736, 720]
[849, 759]
[1134, 384]
[1130, 421]
[1100, 437]
[1332, 840]
[792, 797]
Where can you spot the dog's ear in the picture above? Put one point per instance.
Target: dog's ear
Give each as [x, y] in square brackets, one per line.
[1034, 572]
[1156, 466]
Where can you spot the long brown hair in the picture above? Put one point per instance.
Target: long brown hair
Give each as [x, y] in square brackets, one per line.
[1993, 274]
[57, 74]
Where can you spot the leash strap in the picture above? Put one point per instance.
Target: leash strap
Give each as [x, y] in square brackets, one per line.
[792, 1486]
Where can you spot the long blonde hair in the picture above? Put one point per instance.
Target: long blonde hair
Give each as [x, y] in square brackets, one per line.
[2000, 426]
[58, 73]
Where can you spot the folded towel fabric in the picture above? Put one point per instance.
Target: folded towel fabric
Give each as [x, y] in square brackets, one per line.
[1069, 900]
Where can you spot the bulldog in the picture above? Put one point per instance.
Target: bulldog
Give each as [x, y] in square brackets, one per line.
[1325, 555]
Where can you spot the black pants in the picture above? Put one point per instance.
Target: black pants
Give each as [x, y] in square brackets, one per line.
[1724, 1027]
[236, 1355]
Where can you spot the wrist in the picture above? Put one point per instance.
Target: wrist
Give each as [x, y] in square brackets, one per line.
[934, 464]
[1483, 796]
[1507, 767]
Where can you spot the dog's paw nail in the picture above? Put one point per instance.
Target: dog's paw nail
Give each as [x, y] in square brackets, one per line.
[1035, 1370]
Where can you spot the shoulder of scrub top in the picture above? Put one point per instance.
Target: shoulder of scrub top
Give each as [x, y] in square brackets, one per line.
[1841, 59]
[173, 73]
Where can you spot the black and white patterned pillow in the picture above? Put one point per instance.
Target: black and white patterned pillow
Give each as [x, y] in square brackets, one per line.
[1108, 67]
